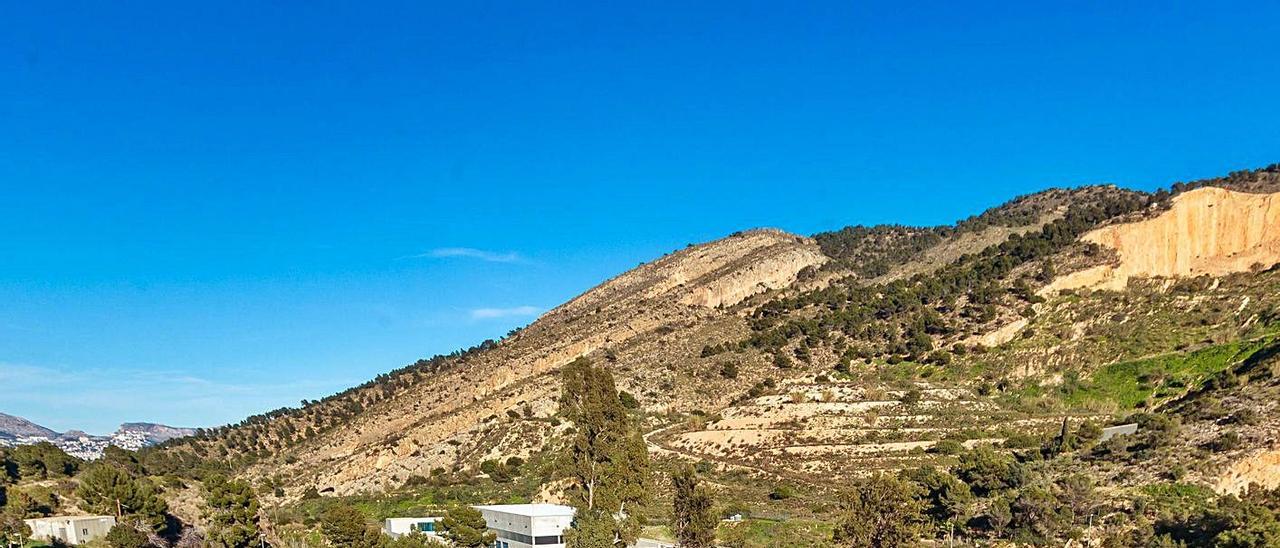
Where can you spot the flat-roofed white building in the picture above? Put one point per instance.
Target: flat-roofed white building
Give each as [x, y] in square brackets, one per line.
[71, 529]
[528, 525]
[397, 527]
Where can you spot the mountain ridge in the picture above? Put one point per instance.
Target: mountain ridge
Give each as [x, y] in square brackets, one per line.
[15, 430]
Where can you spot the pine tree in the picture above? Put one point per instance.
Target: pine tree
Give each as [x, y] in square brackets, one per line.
[608, 459]
[464, 526]
[695, 523]
[123, 535]
[345, 526]
[108, 490]
[232, 512]
[880, 512]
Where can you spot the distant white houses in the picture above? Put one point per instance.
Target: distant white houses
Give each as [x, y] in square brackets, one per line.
[397, 527]
[528, 525]
[71, 529]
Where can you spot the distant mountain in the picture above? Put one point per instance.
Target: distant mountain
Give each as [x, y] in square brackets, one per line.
[131, 435]
[18, 427]
[154, 433]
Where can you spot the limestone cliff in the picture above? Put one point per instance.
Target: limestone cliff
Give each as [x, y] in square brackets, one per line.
[1207, 231]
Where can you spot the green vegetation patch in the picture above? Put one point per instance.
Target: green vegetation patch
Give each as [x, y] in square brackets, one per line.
[1178, 498]
[1131, 383]
[790, 533]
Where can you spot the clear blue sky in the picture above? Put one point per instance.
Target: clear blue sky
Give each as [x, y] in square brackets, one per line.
[214, 210]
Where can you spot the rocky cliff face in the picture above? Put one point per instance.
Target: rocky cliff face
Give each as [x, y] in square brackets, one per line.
[1207, 231]
[759, 262]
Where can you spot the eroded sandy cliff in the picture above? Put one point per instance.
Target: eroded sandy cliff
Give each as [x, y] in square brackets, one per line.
[1208, 231]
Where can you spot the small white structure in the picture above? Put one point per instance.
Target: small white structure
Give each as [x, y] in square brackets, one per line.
[528, 525]
[1121, 430]
[397, 527]
[71, 529]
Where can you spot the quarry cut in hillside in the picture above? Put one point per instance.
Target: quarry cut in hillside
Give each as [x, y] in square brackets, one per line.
[1208, 231]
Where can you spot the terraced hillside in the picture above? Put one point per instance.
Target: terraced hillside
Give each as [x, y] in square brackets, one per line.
[1093, 356]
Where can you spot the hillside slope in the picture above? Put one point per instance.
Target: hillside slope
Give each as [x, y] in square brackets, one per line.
[815, 359]
[18, 427]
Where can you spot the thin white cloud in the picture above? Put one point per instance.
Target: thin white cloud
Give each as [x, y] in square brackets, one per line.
[516, 311]
[469, 253]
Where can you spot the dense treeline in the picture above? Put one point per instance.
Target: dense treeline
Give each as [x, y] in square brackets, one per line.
[872, 251]
[903, 317]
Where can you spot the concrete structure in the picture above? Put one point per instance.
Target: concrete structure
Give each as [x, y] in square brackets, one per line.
[397, 527]
[653, 543]
[1122, 430]
[71, 529]
[528, 525]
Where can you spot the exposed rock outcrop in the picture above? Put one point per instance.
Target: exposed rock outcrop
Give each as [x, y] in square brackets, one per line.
[758, 268]
[1262, 468]
[1207, 231]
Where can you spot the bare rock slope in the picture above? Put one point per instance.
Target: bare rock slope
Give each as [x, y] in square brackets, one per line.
[1208, 231]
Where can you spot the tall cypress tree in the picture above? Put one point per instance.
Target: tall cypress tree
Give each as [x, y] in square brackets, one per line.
[695, 524]
[608, 460]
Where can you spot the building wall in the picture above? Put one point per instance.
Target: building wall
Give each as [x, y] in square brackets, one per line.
[520, 531]
[71, 529]
[396, 527]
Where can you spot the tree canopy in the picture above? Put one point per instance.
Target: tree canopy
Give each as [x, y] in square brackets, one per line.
[345, 526]
[694, 521]
[879, 512]
[464, 526]
[106, 489]
[608, 460]
[232, 512]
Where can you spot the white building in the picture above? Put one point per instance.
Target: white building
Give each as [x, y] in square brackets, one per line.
[71, 529]
[528, 525]
[396, 527]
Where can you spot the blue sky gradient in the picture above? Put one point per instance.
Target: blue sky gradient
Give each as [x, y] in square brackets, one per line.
[214, 210]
